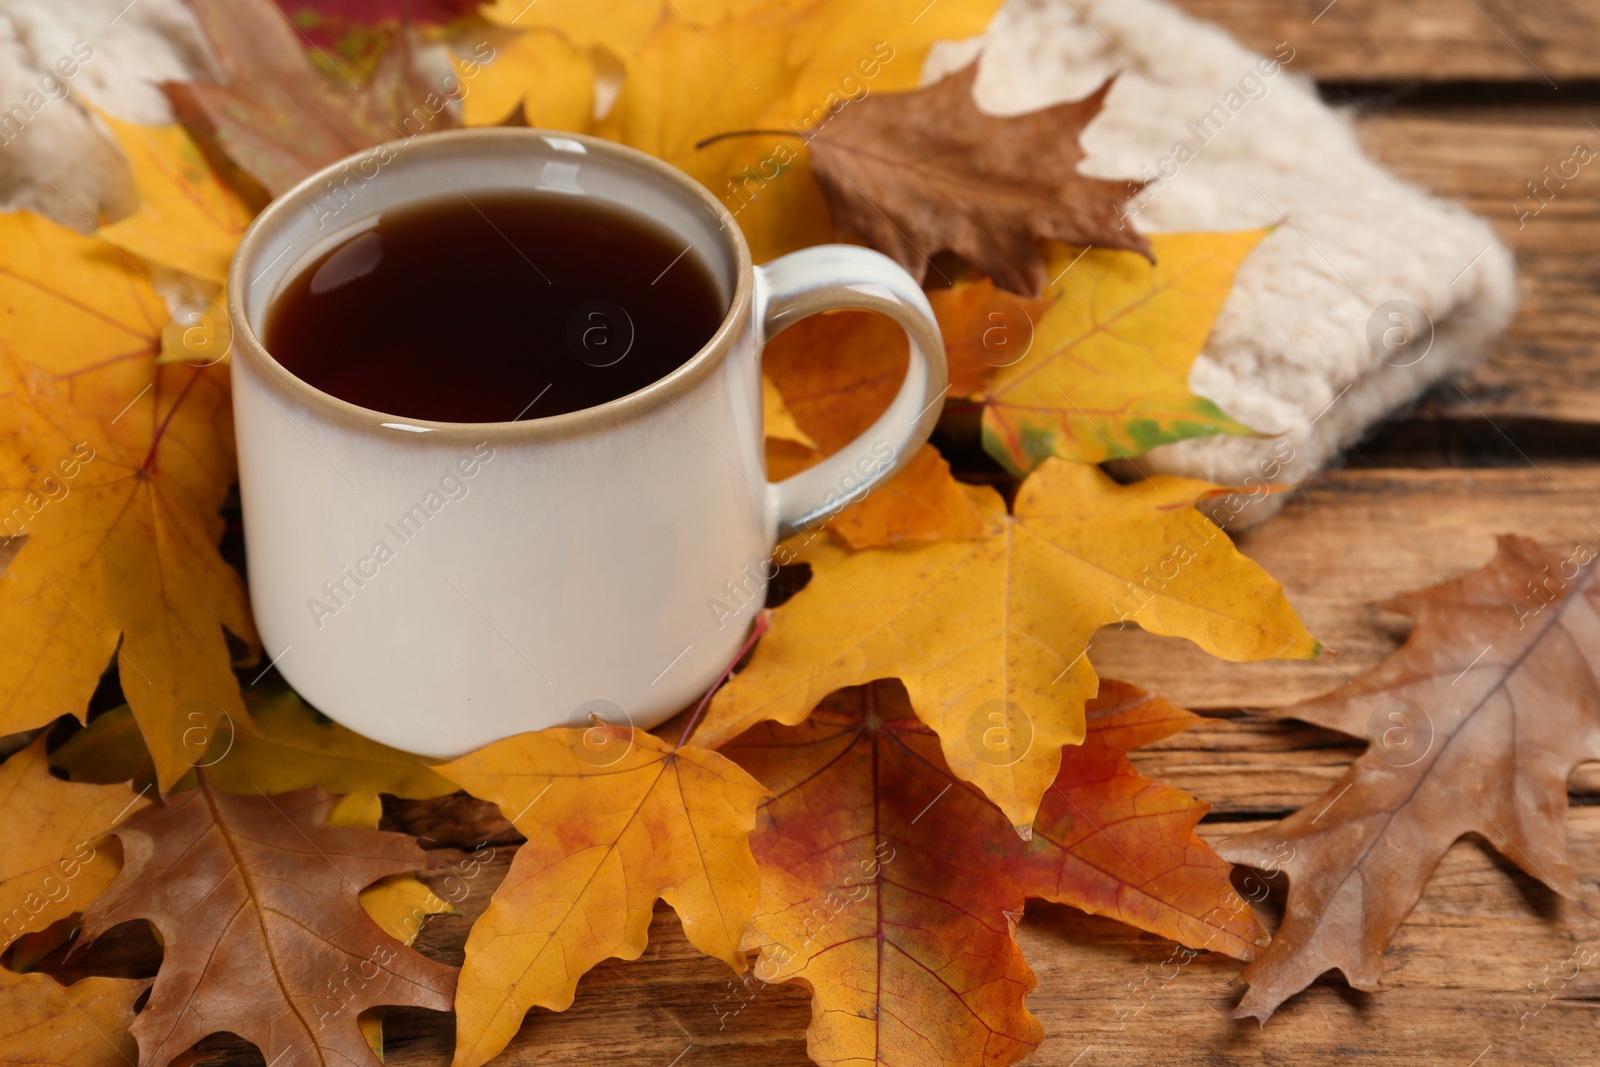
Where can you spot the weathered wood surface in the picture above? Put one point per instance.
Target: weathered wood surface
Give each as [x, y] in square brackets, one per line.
[1483, 934]
[1458, 977]
[1436, 40]
[1547, 367]
[1459, 971]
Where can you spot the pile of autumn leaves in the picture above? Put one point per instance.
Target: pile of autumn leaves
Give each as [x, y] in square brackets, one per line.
[871, 838]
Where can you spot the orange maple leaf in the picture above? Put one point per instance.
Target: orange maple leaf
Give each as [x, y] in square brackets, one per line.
[615, 818]
[891, 888]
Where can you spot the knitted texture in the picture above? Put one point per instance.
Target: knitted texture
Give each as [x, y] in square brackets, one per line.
[1227, 140]
[55, 159]
[1307, 349]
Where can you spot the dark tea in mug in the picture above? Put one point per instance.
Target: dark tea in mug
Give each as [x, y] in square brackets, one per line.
[495, 307]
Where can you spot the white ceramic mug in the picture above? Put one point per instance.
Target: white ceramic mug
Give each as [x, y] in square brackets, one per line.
[437, 586]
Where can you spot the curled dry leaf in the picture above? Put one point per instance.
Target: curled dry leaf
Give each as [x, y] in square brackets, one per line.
[921, 172]
[280, 118]
[113, 468]
[53, 855]
[46, 1024]
[892, 890]
[256, 901]
[615, 819]
[1001, 626]
[1475, 723]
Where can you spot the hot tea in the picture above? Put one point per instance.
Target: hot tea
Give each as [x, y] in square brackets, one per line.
[492, 307]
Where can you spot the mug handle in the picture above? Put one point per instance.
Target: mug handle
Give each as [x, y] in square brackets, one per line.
[823, 278]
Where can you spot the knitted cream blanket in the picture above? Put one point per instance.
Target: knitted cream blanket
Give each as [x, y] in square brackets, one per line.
[1368, 291]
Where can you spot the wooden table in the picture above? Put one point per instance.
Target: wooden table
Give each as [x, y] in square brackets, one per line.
[1468, 98]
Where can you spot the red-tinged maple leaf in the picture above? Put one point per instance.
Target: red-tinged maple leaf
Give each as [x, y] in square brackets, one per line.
[1475, 723]
[351, 36]
[922, 172]
[256, 901]
[278, 117]
[891, 888]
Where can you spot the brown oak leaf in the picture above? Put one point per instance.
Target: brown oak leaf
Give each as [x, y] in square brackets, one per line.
[891, 888]
[926, 171]
[256, 901]
[1475, 724]
[280, 118]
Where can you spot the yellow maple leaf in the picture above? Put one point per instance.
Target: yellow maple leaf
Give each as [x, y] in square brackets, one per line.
[53, 860]
[188, 218]
[113, 469]
[291, 747]
[615, 818]
[990, 636]
[837, 39]
[84, 1024]
[540, 72]
[840, 52]
[619, 26]
[1108, 371]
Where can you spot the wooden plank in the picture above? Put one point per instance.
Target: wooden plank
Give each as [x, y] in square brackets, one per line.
[1548, 365]
[1457, 974]
[1433, 40]
[1346, 541]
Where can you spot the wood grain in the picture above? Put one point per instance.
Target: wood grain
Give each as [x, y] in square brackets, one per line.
[1438, 40]
[1458, 982]
[1548, 364]
[1458, 972]
[1346, 541]
[1483, 934]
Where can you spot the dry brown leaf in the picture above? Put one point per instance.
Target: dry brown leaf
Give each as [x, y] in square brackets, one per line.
[279, 117]
[256, 901]
[1475, 724]
[925, 171]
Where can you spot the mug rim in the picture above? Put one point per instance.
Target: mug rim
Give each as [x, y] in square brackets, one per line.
[612, 412]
